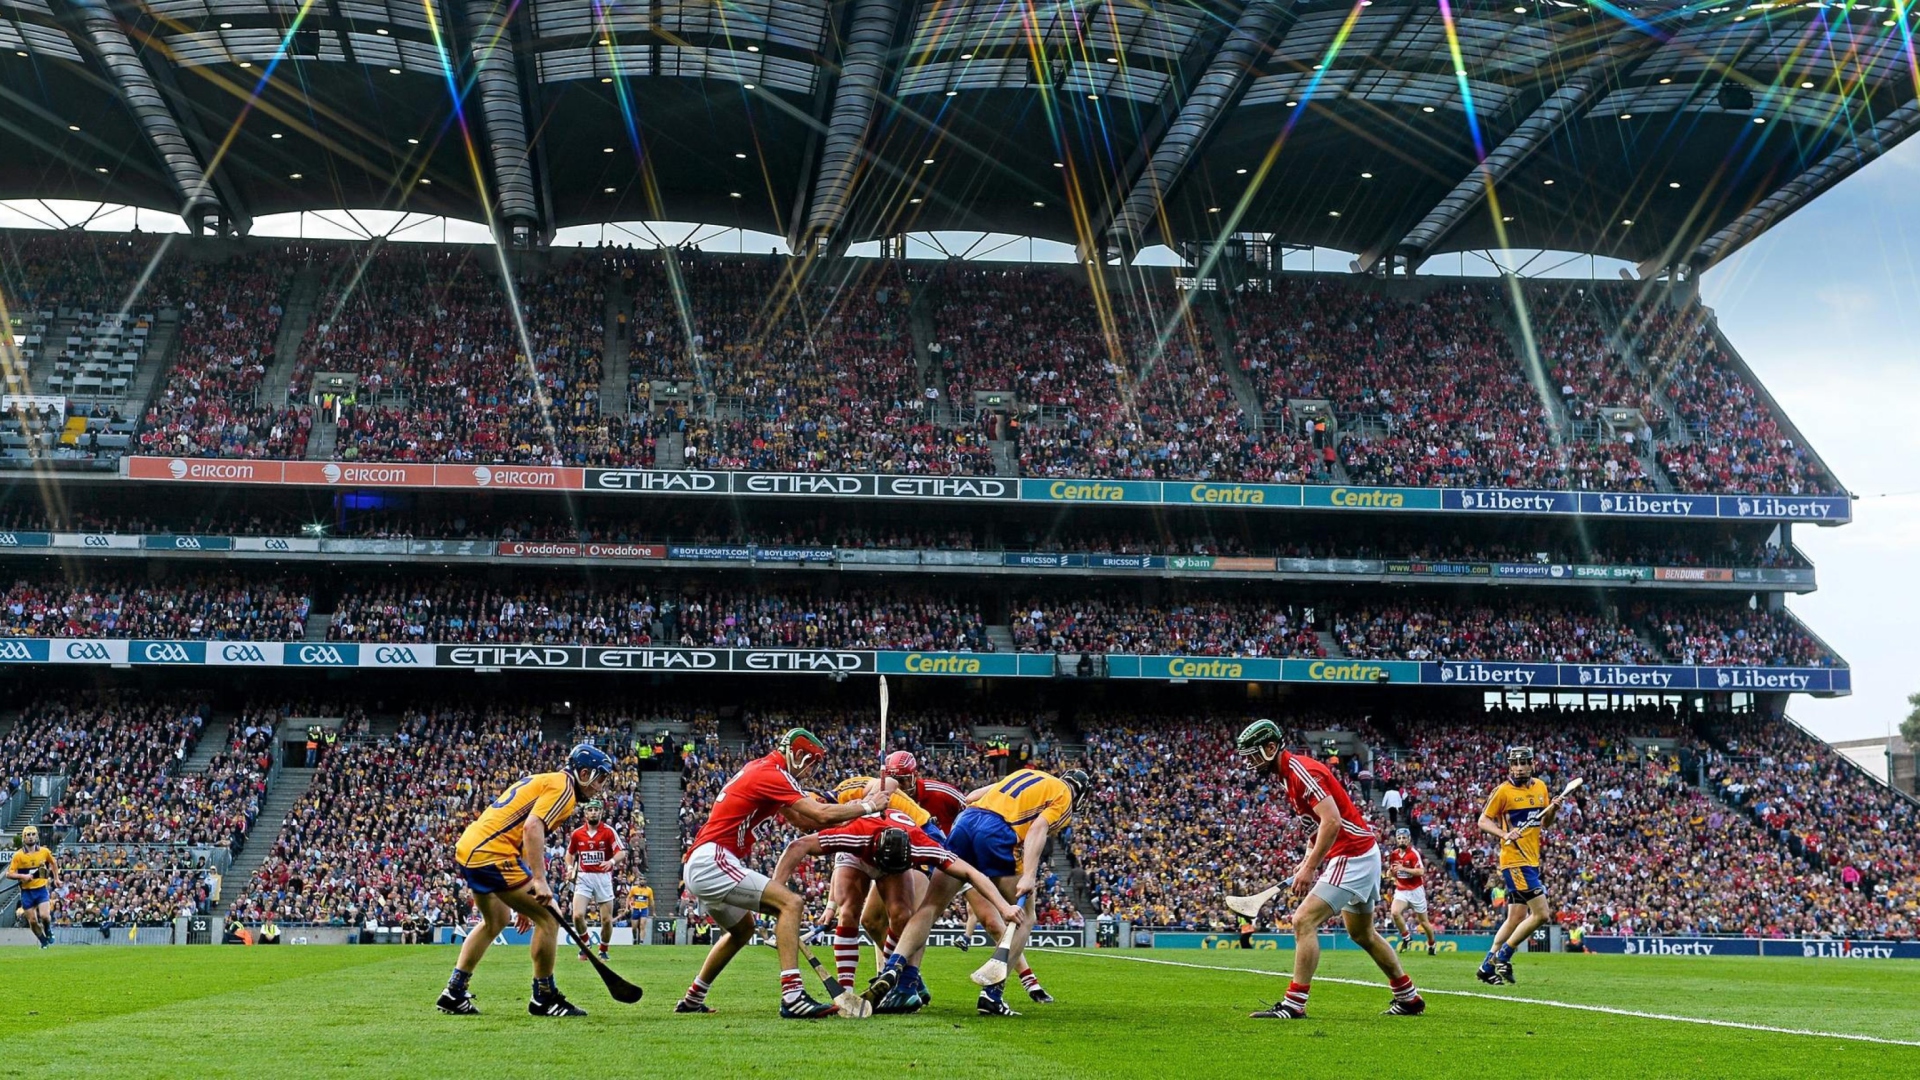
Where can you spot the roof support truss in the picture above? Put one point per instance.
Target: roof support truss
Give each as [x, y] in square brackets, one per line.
[1890, 132]
[1620, 54]
[119, 58]
[1226, 77]
[856, 94]
[496, 79]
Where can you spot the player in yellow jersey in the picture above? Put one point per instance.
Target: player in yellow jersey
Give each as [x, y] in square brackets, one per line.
[502, 857]
[34, 868]
[1516, 813]
[1001, 833]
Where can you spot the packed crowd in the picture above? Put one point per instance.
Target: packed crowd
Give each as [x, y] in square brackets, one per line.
[1718, 635]
[1560, 633]
[371, 841]
[84, 271]
[1642, 850]
[121, 755]
[565, 613]
[1737, 443]
[813, 370]
[1197, 628]
[814, 376]
[211, 606]
[1825, 809]
[229, 325]
[109, 885]
[1427, 391]
[1127, 384]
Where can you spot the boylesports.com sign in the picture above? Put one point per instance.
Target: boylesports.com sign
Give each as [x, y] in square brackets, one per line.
[1501, 502]
[861, 661]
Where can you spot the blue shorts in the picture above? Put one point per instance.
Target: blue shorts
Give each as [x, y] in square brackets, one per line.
[984, 838]
[1523, 882]
[33, 898]
[496, 877]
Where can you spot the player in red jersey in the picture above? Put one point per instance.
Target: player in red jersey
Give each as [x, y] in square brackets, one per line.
[880, 851]
[594, 852]
[717, 874]
[1409, 888]
[1341, 872]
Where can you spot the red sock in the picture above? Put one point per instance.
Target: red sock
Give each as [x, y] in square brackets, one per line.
[790, 984]
[1028, 979]
[1297, 993]
[846, 953]
[1403, 988]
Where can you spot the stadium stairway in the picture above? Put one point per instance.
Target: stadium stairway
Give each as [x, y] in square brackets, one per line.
[926, 369]
[660, 798]
[1329, 643]
[1210, 308]
[1006, 461]
[317, 623]
[213, 739]
[1002, 638]
[615, 375]
[157, 362]
[323, 438]
[303, 295]
[288, 789]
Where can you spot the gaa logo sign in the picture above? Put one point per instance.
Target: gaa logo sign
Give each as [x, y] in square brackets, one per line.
[88, 651]
[7, 539]
[274, 543]
[165, 652]
[390, 654]
[186, 543]
[321, 655]
[242, 654]
[95, 540]
[15, 652]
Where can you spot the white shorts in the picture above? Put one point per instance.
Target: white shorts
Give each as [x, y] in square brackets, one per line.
[728, 889]
[1413, 898]
[841, 859]
[1350, 882]
[594, 888]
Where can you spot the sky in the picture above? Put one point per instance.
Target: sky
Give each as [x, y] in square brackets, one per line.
[1826, 310]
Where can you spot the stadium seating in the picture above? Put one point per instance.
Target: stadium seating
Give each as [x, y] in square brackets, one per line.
[109, 885]
[105, 604]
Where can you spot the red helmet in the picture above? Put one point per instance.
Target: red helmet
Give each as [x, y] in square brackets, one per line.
[901, 763]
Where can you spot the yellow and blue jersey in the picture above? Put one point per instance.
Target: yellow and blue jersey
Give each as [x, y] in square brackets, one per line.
[38, 862]
[1519, 806]
[854, 788]
[496, 835]
[1026, 797]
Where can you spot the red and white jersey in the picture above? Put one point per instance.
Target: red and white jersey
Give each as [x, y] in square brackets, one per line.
[1409, 869]
[594, 847]
[943, 801]
[1307, 782]
[861, 839]
[756, 794]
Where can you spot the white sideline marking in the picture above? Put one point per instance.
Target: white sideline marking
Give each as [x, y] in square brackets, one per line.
[1424, 991]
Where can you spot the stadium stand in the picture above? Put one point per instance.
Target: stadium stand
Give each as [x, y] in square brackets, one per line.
[103, 604]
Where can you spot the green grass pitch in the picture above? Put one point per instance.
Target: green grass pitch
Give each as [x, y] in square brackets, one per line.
[290, 1011]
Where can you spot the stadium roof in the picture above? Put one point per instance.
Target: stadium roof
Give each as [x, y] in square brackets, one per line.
[1656, 132]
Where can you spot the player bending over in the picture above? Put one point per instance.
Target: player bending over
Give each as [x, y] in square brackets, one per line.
[1002, 832]
[594, 852]
[717, 875]
[934, 807]
[34, 868]
[1409, 888]
[882, 851]
[1341, 872]
[502, 856]
[1516, 812]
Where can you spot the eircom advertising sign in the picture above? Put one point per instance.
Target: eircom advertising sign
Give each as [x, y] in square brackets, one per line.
[1821, 948]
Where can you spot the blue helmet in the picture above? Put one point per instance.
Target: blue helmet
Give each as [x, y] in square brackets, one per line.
[588, 756]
